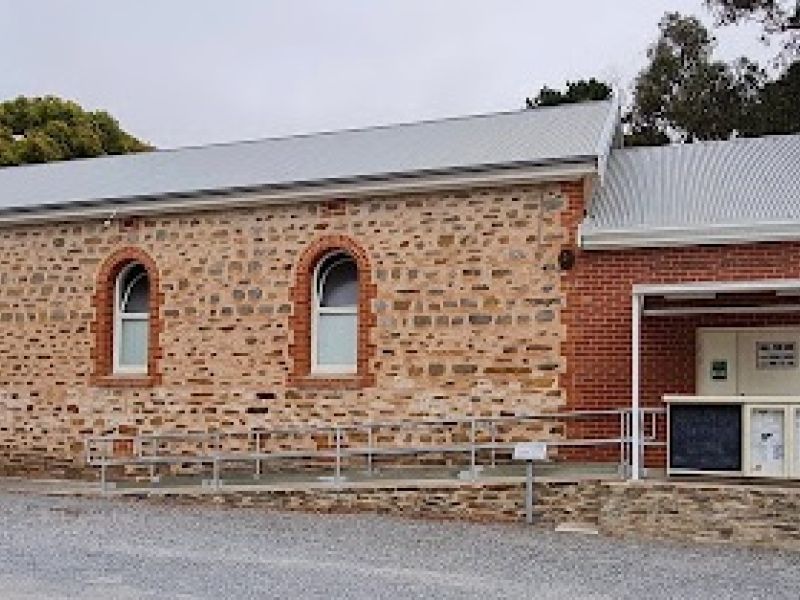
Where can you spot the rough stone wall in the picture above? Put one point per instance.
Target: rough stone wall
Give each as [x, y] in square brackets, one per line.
[467, 318]
[750, 515]
[556, 502]
[741, 514]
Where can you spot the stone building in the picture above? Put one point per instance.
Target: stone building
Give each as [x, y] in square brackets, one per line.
[397, 272]
[506, 264]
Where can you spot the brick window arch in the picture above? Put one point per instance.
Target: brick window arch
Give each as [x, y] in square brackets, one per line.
[301, 321]
[104, 303]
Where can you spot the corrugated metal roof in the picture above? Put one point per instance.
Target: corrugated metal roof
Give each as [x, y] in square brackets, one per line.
[526, 137]
[694, 186]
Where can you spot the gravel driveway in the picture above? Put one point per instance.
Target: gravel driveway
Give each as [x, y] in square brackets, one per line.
[96, 549]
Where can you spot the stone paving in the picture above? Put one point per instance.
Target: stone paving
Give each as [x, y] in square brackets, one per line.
[70, 548]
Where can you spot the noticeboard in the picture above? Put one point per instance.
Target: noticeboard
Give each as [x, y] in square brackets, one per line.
[705, 437]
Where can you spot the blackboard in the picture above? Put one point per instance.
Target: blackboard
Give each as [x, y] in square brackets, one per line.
[705, 437]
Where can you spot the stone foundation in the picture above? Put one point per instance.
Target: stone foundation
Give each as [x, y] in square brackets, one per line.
[747, 514]
[480, 501]
[742, 514]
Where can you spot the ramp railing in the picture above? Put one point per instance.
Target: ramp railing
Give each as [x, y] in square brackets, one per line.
[471, 442]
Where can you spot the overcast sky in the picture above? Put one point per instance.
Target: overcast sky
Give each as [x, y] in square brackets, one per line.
[186, 72]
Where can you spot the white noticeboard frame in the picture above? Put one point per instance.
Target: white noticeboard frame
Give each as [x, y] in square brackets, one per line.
[787, 439]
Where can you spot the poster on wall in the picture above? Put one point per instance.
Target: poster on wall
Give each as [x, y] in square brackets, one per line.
[766, 442]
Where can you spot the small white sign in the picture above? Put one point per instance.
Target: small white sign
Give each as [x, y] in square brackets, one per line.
[530, 451]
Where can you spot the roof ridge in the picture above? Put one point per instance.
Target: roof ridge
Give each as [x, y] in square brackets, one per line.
[328, 132]
[430, 121]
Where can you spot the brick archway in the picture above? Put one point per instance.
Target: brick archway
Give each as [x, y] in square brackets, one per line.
[300, 321]
[103, 327]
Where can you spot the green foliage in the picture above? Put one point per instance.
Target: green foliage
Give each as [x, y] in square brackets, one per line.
[777, 109]
[684, 94]
[38, 130]
[577, 91]
[773, 14]
[779, 18]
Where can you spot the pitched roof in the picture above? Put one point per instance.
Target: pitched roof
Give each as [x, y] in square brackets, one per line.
[522, 138]
[708, 192]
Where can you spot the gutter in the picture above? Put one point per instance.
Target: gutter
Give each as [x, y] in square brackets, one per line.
[666, 237]
[236, 197]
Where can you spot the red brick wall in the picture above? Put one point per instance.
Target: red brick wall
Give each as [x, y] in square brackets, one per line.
[597, 317]
[598, 345]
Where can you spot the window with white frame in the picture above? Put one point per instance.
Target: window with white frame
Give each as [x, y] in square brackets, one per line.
[131, 319]
[334, 329]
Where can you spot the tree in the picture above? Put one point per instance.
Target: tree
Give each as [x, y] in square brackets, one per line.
[684, 94]
[577, 91]
[777, 17]
[38, 130]
[777, 109]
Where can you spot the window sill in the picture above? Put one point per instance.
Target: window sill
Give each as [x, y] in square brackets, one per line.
[134, 380]
[332, 381]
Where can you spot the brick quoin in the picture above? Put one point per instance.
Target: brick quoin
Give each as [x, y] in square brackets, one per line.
[597, 318]
[300, 321]
[102, 327]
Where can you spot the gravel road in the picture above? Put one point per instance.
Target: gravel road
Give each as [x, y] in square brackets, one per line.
[95, 549]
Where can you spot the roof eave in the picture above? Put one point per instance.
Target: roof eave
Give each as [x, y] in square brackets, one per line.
[515, 173]
[665, 237]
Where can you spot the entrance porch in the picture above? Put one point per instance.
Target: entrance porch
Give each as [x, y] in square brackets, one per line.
[722, 358]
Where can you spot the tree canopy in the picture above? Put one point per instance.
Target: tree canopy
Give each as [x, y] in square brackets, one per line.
[779, 18]
[45, 129]
[777, 109]
[576, 91]
[684, 94]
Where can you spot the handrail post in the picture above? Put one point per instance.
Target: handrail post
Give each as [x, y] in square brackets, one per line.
[338, 454]
[472, 460]
[622, 470]
[218, 444]
[258, 452]
[653, 430]
[494, 441]
[369, 449]
[628, 442]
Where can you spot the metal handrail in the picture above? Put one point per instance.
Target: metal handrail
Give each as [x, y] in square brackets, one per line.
[141, 445]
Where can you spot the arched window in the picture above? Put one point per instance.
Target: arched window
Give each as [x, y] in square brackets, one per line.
[334, 338]
[131, 319]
